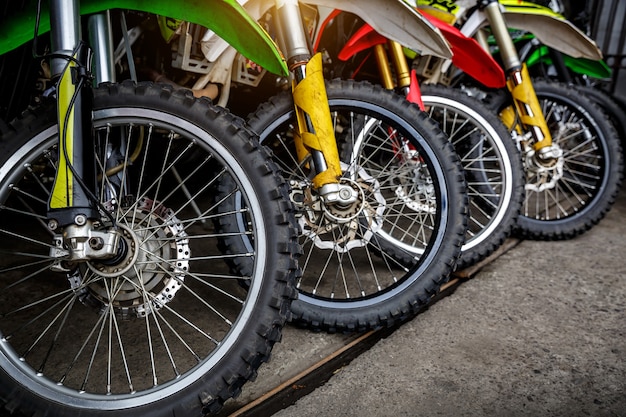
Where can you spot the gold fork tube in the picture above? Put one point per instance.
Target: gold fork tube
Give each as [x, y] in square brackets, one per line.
[403, 74]
[500, 31]
[383, 67]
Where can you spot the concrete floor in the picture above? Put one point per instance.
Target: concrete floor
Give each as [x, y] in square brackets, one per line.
[540, 331]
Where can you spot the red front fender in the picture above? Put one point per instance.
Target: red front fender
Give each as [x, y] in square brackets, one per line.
[469, 56]
[365, 38]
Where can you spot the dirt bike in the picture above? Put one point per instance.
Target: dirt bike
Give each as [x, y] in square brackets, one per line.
[115, 299]
[572, 155]
[393, 177]
[584, 74]
[491, 162]
[580, 74]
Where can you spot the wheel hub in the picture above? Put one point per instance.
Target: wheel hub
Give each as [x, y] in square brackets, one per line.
[542, 173]
[149, 270]
[341, 227]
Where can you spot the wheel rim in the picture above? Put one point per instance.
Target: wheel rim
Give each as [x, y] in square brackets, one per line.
[129, 333]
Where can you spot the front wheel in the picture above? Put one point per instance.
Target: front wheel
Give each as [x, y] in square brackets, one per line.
[379, 260]
[572, 193]
[163, 329]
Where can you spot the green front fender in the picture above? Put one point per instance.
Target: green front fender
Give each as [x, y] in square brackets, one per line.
[597, 69]
[225, 17]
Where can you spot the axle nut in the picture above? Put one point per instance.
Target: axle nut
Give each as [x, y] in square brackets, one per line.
[96, 243]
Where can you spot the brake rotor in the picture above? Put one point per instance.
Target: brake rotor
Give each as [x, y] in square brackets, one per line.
[148, 271]
[341, 227]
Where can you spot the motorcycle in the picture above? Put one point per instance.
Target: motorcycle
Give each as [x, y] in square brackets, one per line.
[584, 74]
[491, 162]
[114, 297]
[380, 242]
[572, 156]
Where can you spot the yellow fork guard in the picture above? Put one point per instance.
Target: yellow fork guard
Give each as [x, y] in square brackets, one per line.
[310, 98]
[63, 189]
[525, 93]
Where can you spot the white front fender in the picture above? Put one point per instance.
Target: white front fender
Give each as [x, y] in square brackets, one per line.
[556, 33]
[395, 20]
[552, 31]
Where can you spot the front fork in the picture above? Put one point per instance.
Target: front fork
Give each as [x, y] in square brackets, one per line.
[406, 80]
[72, 213]
[315, 134]
[521, 87]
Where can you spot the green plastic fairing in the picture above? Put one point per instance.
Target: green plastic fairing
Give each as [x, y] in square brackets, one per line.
[594, 69]
[225, 17]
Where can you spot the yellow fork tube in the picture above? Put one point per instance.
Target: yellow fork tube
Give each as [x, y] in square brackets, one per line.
[310, 99]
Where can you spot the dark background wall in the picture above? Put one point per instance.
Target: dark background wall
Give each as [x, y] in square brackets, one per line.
[607, 18]
[603, 21]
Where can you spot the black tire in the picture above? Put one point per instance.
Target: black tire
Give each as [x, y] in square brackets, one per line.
[592, 162]
[197, 336]
[492, 165]
[613, 110]
[364, 297]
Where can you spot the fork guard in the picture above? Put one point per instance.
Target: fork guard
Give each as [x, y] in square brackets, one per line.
[524, 96]
[309, 97]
